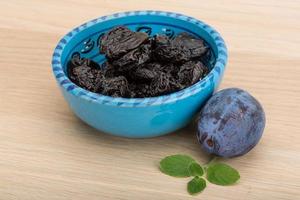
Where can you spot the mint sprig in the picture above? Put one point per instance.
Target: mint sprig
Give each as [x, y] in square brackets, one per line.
[185, 166]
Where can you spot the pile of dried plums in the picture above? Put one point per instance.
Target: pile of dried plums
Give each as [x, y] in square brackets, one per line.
[142, 66]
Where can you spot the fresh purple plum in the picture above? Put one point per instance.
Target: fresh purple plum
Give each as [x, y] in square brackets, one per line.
[231, 123]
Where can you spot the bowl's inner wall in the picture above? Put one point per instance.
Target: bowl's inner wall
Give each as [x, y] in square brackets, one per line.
[86, 42]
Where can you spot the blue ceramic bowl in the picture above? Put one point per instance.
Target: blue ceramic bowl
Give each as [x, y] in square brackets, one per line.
[137, 117]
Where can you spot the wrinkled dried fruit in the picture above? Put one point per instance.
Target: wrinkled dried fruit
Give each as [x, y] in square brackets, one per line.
[85, 73]
[120, 41]
[163, 84]
[142, 90]
[181, 49]
[133, 58]
[109, 70]
[143, 74]
[194, 46]
[115, 87]
[140, 66]
[191, 72]
[160, 40]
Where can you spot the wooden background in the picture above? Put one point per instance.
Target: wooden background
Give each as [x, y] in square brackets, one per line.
[47, 153]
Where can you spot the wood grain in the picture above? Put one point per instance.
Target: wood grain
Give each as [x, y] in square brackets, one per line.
[47, 153]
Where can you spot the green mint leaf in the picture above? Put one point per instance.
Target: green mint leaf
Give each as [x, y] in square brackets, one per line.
[196, 185]
[176, 165]
[195, 169]
[222, 174]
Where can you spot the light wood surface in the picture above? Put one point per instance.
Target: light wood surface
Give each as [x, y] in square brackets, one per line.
[47, 153]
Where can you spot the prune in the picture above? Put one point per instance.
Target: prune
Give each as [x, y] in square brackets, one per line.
[109, 70]
[160, 40]
[142, 90]
[163, 83]
[181, 49]
[231, 123]
[167, 53]
[194, 46]
[120, 41]
[141, 66]
[85, 73]
[133, 58]
[207, 59]
[191, 72]
[115, 87]
[143, 74]
[168, 68]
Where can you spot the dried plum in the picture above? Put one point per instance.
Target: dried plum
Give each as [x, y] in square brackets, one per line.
[160, 40]
[109, 70]
[142, 90]
[171, 68]
[194, 46]
[191, 72]
[143, 74]
[85, 73]
[163, 84]
[115, 87]
[181, 49]
[120, 41]
[133, 58]
[166, 54]
[141, 66]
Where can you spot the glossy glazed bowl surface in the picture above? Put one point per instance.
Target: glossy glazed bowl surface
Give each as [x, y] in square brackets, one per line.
[136, 117]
